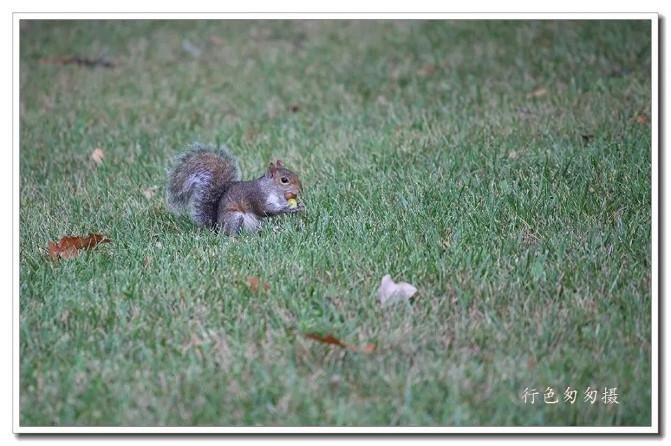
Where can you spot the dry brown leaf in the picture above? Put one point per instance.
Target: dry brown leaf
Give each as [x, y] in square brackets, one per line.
[538, 93]
[81, 61]
[642, 118]
[69, 246]
[426, 70]
[149, 192]
[215, 40]
[391, 292]
[367, 348]
[97, 156]
[531, 364]
[326, 339]
[332, 340]
[255, 284]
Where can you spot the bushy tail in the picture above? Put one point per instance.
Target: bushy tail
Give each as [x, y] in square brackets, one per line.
[197, 180]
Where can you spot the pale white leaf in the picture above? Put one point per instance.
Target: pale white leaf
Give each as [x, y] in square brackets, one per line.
[391, 292]
[97, 156]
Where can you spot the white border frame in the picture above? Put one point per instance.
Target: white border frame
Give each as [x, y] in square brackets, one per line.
[652, 429]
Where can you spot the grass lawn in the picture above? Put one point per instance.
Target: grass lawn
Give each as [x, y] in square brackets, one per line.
[503, 168]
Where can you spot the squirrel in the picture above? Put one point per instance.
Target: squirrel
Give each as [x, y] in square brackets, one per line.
[205, 182]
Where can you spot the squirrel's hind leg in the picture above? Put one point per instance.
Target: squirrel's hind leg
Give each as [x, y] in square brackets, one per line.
[232, 222]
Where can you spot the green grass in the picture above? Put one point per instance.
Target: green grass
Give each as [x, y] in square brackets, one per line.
[523, 219]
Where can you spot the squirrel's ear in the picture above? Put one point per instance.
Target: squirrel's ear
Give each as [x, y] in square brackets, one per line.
[271, 170]
[279, 163]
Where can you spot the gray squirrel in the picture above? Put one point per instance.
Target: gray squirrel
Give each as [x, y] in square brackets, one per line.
[205, 182]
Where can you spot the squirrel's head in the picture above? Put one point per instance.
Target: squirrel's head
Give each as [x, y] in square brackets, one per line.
[284, 179]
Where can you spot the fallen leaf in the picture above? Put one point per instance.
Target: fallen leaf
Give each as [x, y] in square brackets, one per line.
[531, 364]
[332, 340]
[327, 339]
[391, 292]
[101, 61]
[642, 118]
[149, 192]
[97, 156]
[215, 40]
[427, 70]
[69, 246]
[539, 92]
[191, 49]
[367, 348]
[255, 283]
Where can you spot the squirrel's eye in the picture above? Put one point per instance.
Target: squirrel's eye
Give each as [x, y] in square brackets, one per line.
[285, 180]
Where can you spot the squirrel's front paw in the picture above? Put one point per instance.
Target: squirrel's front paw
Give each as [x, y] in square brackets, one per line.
[298, 207]
[293, 204]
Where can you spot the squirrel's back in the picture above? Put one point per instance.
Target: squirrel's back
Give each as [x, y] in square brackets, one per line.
[197, 180]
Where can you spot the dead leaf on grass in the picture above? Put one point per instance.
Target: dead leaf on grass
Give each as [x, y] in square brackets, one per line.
[191, 49]
[255, 284]
[149, 192]
[70, 246]
[332, 340]
[538, 93]
[427, 70]
[215, 40]
[101, 61]
[531, 364]
[642, 119]
[367, 348]
[97, 156]
[391, 292]
[326, 339]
